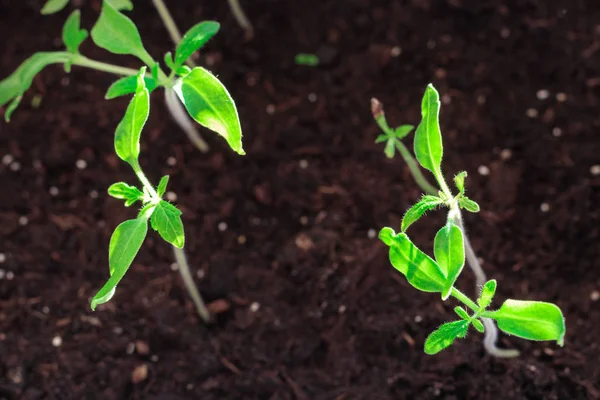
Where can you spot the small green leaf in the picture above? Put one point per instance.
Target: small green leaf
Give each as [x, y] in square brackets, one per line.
[127, 135]
[307, 59]
[210, 104]
[126, 5]
[461, 313]
[532, 320]
[428, 137]
[118, 34]
[459, 181]
[381, 138]
[72, 34]
[125, 243]
[166, 220]
[427, 203]
[194, 39]
[468, 204]
[403, 130]
[183, 71]
[126, 192]
[478, 325]
[445, 336]
[162, 185]
[169, 60]
[54, 6]
[128, 85]
[449, 250]
[390, 148]
[420, 270]
[487, 294]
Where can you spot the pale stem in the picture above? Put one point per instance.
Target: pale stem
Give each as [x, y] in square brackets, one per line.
[414, 169]
[182, 119]
[102, 66]
[171, 26]
[241, 18]
[186, 275]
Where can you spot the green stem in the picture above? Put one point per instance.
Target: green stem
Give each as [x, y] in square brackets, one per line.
[142, 177]
[82, 61]
[463, 297]
[171, 26]
[415, 170]
[188, 280]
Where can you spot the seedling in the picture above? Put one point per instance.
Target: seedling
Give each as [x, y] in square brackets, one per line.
[204, 99]
[532, 320]
[310, 60]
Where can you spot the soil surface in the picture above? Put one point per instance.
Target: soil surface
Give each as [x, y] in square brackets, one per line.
[283, 238]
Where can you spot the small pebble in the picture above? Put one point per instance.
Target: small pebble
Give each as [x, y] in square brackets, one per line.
[130, 349]
[270, 109]
[189, 386]
[561, 97]
[10, 275]
[483, 170]
[65, 81]
[139, 374]
[2, 257]
[556, 132]
[481, 99]
[542, 94]
[303, 164]
[154, 358]
[23, 220]
[117, 330]
[241, 239]
[446, 99]
[53, 191]
[200, 274]
[312, 97]
[46, 310]
[81, 164]
[532, 113]
[395, 51]
[222, 226]
[2, 273]
[303, 220]
[94, 194]
[174, 266]
[171, 161]
[142, 347]
[506, 154]
[171, 196]
[37, 164]
[595, 170]
[544, 207]
[56, 341]
[15, 166]
[254, 307]
[504, 33]
[371, 233]
[7, 159]
[342, 309]
[595, 295]
[418, 319]
[431, 44]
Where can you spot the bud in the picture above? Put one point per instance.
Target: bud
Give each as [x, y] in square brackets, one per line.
[376, 108]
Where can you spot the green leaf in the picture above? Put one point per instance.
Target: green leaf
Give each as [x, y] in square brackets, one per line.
[125, 243]
[449, 250]
[310, 60]
[169, 60]
[381, 138]
[127, 135]
[427, 203]
[468, 204]
[166, 220]
[54, 6]
[208, 102]
[194, 39]
[72, 33]
[183, 71]
[487, 294]
[478, 325]
[390, 148]
[126, 192]
[461, 313]
[162, 185]
[126, 5]
[128, 85]
[118, 34]
[420, 270]
[459, 181]
[14, 86]
[532, 320]
[445, 336]
[403, 130]
[428, 138]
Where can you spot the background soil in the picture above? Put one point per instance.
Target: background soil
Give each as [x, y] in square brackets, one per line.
[334, 319]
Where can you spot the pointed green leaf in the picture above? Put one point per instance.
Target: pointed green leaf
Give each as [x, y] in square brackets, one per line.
[162, 185]
[449, 250]
[54, 6]
[381, 138]
[194, 39]
[461, 313]
[478, 325]
[72, 33]
[127, 135]
[166, 220]
[310, 60]
[445, 336]
[390, 149]
[128, 85]
[126, 192]
[468, 204]
[182, 71]
[125, 243]
[428, 137]
[459, 181]
[403, 130]
[427, 203]
[169, 60]
[532, 320]
[420, 270]
[126, 5]
[21, 79]
[118, 34]
[487, 294]
[208, 103]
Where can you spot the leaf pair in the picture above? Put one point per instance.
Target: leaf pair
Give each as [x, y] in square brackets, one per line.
[54, 6]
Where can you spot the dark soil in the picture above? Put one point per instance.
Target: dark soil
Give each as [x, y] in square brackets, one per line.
[334, 319]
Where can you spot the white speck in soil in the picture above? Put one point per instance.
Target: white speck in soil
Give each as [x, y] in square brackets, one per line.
[371, 233]
[254, 307]
[130, 348]
[2, 257]
[81, 164]
[544, 207]
[595, 295]
[304, 220]
[506, 154]
[94, 194]
[15, 166]
[418, 319]
[7, 159]
[303, 164]
[56, 341]
[53, 191]
[483, 170]
[556, 132]
[222, 226]
[23, 220]
[270, 109]
[532, 113]
[312, 97]
[561, 97]
[542, 94]
[171, 161]
[174, 266]
[2, 273]
[171, 196]
[595, 170]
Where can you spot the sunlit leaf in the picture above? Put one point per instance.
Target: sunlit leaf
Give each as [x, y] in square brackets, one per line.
[54, 6]
[162, 185]
[428, 137]
[449, 250]
[194, 39]
[468, 204]
[427, 203]
[72, 33]
[445, 335]
[128, 85]
[123, 191]
[166, 220]
[487, 294]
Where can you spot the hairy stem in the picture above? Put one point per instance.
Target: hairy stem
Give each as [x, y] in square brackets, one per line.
[83, 61]
[241, 18]
[465, 299]
[414, 169]
[186, 275]
[182, 119]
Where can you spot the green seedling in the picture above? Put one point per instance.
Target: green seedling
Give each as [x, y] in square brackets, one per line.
[530, 320]
[310, 60]
[204, 99]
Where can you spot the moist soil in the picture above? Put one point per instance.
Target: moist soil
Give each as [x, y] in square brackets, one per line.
[283, 240]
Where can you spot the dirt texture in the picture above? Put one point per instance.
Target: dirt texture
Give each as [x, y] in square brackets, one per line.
[283, 237]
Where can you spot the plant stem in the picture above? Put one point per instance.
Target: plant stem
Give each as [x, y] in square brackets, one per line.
[182, 119]
[414, 169]
[186, 275]
[465, 299]
[135, 164]
[171, 26]
[83, 61]
[241, 18]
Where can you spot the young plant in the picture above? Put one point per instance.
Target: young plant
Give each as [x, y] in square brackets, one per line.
[203, 96]
[532, 320]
